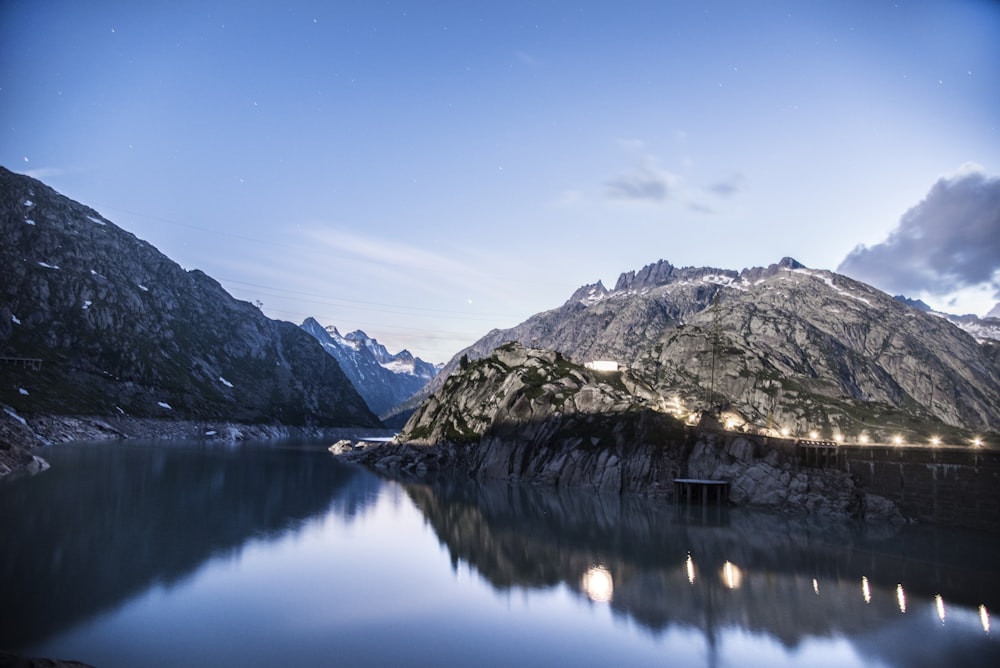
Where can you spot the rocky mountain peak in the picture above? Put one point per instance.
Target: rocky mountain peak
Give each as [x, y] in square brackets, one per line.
[784, 346]
[121, 329]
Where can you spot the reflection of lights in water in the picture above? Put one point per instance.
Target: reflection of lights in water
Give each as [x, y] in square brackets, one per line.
[901, 598]
[984, 618]
[690, 568]
[732, 576]
[597, 584]
[939, 604]
[866, 591]
[816, 586]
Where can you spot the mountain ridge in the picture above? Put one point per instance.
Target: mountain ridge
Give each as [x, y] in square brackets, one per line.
[118, 328]
[786, 346]
[384, 380]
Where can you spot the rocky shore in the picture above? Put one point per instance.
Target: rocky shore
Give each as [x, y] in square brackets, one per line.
[21, 437]
[530, 415]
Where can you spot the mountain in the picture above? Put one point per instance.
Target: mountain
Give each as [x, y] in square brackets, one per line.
[980, 328]
[782, 347]
[384, 380]
[117, 328]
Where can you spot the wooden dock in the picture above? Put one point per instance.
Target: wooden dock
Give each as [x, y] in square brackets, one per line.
[694, 490]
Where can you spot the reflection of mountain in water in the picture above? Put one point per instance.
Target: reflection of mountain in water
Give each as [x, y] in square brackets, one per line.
[663, 565]
[87, 535]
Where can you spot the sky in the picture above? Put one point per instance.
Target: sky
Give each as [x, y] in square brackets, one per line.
[428, 171]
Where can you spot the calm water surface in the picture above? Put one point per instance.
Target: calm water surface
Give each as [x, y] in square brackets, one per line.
[183, 554]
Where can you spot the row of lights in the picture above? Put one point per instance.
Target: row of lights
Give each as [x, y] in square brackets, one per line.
[863, 439]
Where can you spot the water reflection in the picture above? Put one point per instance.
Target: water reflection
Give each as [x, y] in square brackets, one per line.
[644, 559]
[115, 519]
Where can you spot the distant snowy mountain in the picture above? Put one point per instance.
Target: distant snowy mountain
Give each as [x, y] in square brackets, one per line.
[981, 328]
[383, 380]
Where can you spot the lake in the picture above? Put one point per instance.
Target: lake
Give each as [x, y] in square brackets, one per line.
[264, 554]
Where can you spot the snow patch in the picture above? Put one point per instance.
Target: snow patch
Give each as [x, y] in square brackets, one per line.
[86, 304]
[11, 412]
[210, 433]
[47, 265]
[96, 220]
[29, 221]
[225, 382]
[14, 319]
[142, 287]
[22, 391]
[164, 404]
[829, 281]
[28, 202]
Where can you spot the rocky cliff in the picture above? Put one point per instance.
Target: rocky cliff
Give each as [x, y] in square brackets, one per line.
[527, 414]
[94, 321]
[784, 347]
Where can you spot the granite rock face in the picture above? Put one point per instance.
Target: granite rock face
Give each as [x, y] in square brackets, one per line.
[120, 329]
[783, 347]
[528, 414]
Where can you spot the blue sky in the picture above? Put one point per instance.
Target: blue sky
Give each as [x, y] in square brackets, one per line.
[427, 171]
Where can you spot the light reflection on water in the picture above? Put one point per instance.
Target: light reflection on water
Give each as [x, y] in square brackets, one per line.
[192, 554]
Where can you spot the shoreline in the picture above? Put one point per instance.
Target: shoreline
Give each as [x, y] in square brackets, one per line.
[21, 437]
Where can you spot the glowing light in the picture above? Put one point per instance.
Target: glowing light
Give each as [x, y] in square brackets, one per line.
[785, 432]
[935, 441]
[978, 442]
[597, 584]
[866, 591]
[863, 438]
[984, 618]
[730, 424]
[839, 438]
[901, 598]
[897, 439]
[816, 586]
[732, 576]
[689, 564]
[692, 418]
[939, 604]
[814, 435]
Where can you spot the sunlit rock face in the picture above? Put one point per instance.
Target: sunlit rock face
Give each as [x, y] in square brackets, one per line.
[784, 346]
[121, 330]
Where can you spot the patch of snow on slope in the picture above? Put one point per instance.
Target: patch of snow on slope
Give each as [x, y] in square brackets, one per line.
[11, 412]
[14, 319]
[47, 265]
[225, 382]
[86, 304]
[28, 202]
[96, 220]
[164, 404]
[22, 391]
[29, 221]
[142, 287]
[833, 286]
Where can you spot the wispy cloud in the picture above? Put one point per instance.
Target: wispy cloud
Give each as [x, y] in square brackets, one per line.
[728, 187]
[645, 182]
[948, 242]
